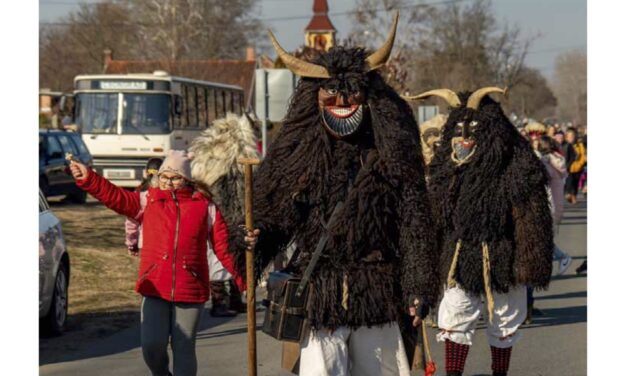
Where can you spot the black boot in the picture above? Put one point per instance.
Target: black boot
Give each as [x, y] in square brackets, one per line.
[235, 299]
[453, 373]
[583, 268]
[218, 306]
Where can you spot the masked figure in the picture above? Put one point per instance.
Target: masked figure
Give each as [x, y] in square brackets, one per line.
[490, 202]
[348, 137]
[431, 136]
[215, 165]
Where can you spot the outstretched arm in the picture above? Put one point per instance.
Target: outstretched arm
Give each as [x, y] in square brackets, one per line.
[112, 196]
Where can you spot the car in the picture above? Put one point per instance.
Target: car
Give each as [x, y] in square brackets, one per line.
[54, 179]
[54, 271]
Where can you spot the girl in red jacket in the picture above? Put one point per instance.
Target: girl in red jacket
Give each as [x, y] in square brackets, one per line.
[178, 223]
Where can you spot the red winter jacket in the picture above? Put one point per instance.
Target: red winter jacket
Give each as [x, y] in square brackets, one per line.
[173, 259]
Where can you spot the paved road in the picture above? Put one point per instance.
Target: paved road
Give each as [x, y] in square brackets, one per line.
[554, 345]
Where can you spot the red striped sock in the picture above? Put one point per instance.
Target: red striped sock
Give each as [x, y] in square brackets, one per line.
[500, 359]
[455, 355]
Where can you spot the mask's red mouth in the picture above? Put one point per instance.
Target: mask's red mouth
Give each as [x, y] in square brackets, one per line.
[342, 112]
[463, 149]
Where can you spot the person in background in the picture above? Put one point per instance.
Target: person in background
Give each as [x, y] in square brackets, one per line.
[559, 138]
[549, 153]
[575, 162]
[179, 220]
[132, 227]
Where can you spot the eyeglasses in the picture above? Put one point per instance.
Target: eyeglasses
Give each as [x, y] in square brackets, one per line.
[174, 179]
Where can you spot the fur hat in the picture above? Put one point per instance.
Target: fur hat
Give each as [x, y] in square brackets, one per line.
[178, 162]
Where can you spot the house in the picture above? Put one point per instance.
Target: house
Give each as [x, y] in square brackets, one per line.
[231, 72]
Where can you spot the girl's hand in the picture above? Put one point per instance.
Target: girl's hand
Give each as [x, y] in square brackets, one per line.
[251, 238]
[79, 171]
[133, 251]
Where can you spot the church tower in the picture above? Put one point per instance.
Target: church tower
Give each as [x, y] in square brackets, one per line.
[320, 32]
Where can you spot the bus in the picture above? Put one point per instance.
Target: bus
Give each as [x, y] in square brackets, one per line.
[128, 119]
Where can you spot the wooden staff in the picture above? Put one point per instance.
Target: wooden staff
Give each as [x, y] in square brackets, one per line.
[250, 268]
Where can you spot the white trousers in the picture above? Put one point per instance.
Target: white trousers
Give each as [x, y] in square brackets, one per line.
[217, 272]
[459, 313]
[376, 351]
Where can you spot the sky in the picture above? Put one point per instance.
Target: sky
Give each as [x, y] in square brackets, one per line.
[556, 25]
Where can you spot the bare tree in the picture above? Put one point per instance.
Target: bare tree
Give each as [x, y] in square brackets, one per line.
[373, 19]
[455, 45]
[75, 44]
[531, 97]
[143, 29]
[570, 86]
[194, 29]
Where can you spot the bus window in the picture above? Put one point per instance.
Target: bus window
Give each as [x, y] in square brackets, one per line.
[202, 107]
[146, 114]
[177, 111]
[192, 116]
[183, 106]
[97, 113]
[211, 105]
[228, 102]
[220, 104]
[236, 103]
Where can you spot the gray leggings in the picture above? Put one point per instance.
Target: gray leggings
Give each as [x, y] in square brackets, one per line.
[160, 320]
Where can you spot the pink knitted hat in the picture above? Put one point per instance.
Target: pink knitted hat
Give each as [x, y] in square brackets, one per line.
[178, 162]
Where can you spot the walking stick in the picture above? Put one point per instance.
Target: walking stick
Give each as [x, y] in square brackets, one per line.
[250, 268]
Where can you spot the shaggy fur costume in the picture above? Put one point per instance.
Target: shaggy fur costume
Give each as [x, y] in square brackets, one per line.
[215, 165]
[498, 197]
[306, 173]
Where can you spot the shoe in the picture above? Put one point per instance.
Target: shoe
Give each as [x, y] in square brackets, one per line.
[583, 268]
[220, 310]
[235, 299]
[536, 312]
[564, 264]
[529, 319]
[237, 306]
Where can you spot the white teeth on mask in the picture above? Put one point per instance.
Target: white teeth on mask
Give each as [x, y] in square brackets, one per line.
[343, 125]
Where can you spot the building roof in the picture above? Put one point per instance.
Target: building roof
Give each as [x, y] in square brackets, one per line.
[230, 72]
[320, 20]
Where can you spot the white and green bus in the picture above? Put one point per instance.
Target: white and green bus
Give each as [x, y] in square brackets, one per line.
[126, 120]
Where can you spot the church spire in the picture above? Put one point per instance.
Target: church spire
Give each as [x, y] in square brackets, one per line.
[320, 32]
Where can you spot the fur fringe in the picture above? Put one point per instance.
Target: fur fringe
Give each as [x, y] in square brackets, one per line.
[304, 175]
[498, 197]
[215, 162]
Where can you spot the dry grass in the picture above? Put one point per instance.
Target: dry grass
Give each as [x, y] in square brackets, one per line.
[102, 274]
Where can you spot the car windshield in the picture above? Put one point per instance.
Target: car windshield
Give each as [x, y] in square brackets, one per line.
[146, 114]
[97, 112]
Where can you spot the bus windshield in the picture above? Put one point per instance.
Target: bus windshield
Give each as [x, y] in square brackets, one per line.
[97, 113]
[146, 114]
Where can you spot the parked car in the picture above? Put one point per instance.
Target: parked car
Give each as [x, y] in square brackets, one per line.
[54, 180]
[54, 271]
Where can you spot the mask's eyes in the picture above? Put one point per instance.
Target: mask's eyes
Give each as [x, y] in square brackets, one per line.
[460, 124]
[331, 91]
[474, 123]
